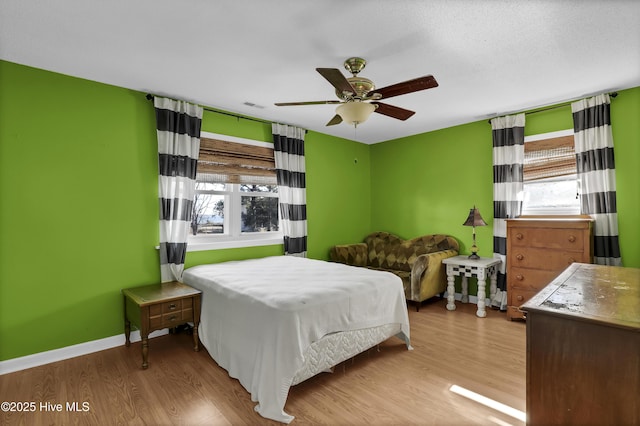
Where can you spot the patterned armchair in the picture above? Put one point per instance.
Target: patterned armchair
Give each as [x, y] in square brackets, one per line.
[417, 261]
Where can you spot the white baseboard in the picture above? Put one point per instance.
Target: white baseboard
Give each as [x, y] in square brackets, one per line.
[42, 358]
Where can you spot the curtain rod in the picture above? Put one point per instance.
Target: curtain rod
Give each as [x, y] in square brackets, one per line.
[548, 108]
[150, 97]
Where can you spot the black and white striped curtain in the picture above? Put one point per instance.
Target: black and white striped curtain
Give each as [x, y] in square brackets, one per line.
[508, 160]
[597, 174]
[288, 150]
[178, 127]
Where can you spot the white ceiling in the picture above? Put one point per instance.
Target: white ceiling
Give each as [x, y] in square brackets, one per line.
[489, 57]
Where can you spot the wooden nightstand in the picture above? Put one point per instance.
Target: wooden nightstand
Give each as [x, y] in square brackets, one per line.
[157, 306]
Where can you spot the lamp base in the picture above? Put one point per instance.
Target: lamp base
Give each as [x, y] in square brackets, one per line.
[474, 256]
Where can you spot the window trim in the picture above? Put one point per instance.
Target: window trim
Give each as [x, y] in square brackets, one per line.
[550, 135]
[550, 212]
[247, 239]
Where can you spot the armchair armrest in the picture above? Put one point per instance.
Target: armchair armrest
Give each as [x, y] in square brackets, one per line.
[351, 254]
[428, 275]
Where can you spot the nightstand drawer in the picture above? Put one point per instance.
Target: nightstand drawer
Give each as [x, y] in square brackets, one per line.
[168, 316]
[170, 320]
[173, 306]
[168, 307]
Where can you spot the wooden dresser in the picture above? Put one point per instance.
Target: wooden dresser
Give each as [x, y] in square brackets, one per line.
[538, 249]
[583, 348]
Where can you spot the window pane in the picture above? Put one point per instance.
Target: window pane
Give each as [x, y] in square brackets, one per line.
[259, 214]
[208, 214]
[551, 194]
[258, 188]
[210, 186]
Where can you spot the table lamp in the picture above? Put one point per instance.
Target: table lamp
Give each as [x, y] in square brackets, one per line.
[474, 220]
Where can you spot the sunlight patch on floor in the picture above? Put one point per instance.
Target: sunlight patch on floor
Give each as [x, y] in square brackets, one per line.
[498, 406]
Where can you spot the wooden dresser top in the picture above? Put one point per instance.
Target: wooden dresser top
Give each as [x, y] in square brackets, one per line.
[595, 293]
[550, 219]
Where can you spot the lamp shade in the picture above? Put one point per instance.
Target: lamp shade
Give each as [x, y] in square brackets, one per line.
[355, 112]
[474, 218]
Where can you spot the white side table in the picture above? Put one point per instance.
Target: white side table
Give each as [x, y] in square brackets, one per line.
[465, 267]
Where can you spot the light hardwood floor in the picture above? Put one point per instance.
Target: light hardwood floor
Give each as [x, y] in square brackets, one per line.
[387, 385]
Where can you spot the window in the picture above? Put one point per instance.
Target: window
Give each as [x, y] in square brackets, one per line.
[236, 195]
[550, 175]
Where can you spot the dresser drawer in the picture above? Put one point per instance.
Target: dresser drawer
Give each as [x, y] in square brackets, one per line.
[549, 238]
[542, 258]
[523, 279]
[517, 296]
[514, 312]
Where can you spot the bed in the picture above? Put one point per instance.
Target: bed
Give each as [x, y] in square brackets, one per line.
[277, 321]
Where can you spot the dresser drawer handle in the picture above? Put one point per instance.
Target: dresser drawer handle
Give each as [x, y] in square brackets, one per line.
[519, 298]
[520, 257]
[519, 236]
[519, 277]
[572, 239]
[172, 318]
[172, 306]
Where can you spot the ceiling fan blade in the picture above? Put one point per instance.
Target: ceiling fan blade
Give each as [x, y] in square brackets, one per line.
[307, 103]
[410, 86]
[337, 80]
[335, 120]
[393, 111]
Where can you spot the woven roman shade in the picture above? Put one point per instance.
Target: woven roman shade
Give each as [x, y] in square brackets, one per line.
[548, 158]
[231, 162]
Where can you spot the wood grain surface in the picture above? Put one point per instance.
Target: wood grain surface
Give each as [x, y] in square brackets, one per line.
[387, 385]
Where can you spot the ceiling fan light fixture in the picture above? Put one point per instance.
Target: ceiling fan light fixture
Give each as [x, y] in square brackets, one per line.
[355, 112]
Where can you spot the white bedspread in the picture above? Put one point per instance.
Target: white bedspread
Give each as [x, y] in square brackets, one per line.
[259, 316]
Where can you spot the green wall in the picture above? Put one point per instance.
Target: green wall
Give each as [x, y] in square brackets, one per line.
[427, 183]
[338, 192]
[78, 197]
[625, 117]
[79, 209]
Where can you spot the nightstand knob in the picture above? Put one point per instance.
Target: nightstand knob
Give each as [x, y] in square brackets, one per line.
[520, 298]
[173, 317]
[519, 257]
[519, 236]
[172, 306]
[519, 277]
[572, 239]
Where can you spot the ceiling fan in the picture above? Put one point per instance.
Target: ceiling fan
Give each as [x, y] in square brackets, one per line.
[359, 96]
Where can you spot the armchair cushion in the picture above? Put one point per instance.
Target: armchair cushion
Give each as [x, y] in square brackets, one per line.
[351, 254]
